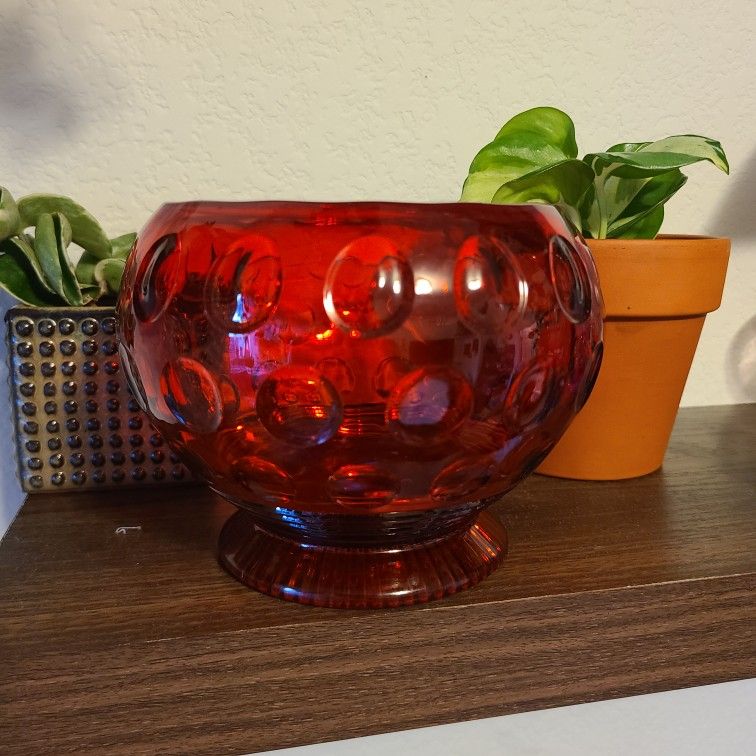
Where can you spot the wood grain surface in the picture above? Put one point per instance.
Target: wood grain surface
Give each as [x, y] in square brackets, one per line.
[138, 642]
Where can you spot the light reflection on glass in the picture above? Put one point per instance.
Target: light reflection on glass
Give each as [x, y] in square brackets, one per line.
[423, 286]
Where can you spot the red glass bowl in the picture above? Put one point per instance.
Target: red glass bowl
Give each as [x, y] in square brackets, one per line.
[361, 380]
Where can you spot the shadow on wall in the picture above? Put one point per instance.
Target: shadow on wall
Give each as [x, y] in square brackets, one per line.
[56, 76]
[736, 218]
[741, 362]
[31, 89]
[46, 96]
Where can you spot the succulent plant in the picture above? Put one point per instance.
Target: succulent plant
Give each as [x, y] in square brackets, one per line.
[35, 266]
[615, 194]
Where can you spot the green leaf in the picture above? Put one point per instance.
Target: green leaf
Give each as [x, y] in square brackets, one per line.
[66, 232]
[63, 239]
[15, 280]
[627, 147]
[46, 248]
[692, 145]
[86, 231]
[49, 242]
[108, 274]
[634, 178]
[562, 184]
[85, 269]
[532, 160]
[531, 140]
[652, 158]
[21, 249]
[543, 124]
[625, 201]
[90, 294]
[634, 199]
[10, 220]
[516, 155]
[482, 185]
[637, 164]
[646, 227]
[122, 245]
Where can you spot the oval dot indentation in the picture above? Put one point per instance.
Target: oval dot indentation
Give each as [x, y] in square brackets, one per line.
[89, 326]
[569, 279]
[46, 327]
[264, 479]
[300, 406]
[158, 279]
[192, 394]
[135, 383]
[389, 372]
[429, 404]
[230, 398]
[532, 395]
[490, 290]
[462, 479]
[338, 373]
[369, 288]
[66, 326]
[296, 324]
[362, 486]
[244, 285]
[24, 327]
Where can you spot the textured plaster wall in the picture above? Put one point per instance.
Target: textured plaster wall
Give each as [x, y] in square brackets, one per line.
[125, 104]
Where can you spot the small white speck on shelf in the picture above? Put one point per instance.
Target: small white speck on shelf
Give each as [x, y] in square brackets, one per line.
[126, 529]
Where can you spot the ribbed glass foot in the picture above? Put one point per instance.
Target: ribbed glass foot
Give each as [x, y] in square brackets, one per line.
[365, 577]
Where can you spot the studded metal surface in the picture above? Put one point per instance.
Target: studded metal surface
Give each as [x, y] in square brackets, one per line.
[77, 425]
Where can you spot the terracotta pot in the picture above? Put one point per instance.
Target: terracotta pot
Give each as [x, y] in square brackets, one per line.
[657, 293]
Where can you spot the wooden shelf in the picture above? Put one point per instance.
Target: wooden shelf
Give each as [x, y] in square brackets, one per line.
[139, 643]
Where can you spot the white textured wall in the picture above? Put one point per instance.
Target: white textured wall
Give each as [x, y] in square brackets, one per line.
[125, 104]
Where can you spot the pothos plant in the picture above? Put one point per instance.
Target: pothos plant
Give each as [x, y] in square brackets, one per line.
[615, 194]
[35, 265]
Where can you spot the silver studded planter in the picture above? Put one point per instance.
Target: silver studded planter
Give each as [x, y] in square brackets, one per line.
[77, 425]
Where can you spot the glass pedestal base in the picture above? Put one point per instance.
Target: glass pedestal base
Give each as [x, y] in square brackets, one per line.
[365, 577]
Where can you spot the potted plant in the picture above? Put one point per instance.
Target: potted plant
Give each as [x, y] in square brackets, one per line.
[76, 423]
[657, 288]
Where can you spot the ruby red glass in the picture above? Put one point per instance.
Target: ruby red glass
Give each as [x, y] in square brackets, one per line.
[361, 380]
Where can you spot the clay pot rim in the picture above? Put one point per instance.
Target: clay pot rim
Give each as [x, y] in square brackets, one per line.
[671, 276]
[693, 238]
